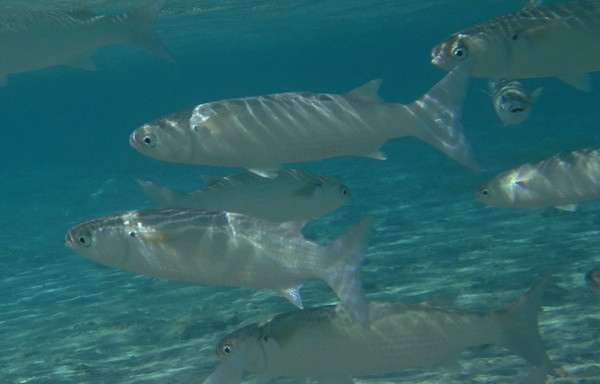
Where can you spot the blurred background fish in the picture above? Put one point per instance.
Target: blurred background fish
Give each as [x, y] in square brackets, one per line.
[292, 195]
[558, 40]
[34, 40]
[592, 279]
[511, 100]
[560, 181]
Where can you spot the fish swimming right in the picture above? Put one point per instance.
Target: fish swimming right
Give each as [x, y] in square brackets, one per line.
[327, 345]
[557, 40]
[260, 133]
[292, 195]
[221, 248]
[34, 40]
[592, 280]
[512, 101]
[561, 181]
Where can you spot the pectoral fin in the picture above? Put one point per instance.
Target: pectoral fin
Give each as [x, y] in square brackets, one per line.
[225, 374]
[293, 295]
[580, 81]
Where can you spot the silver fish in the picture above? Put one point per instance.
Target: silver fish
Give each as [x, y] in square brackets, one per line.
[220, 248]
[561, 181]
[326, 344]
[34, 40]
[592, 279]
[558, 40]
[260, 133]
[292, 195]
[512, 101]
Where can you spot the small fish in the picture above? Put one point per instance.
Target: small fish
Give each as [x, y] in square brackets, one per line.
[592, 279]
[261, 133]
[34, 40]
[327, 345]
[558, 40]
[292, 195]
[560, 181]
[511, 100]
[220, 248]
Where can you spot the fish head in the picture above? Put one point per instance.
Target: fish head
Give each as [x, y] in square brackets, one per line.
[592, 279]
[328, 192]
[460, 48]
[99, 240]
[167, 139]
[512, 105]
[243, 348]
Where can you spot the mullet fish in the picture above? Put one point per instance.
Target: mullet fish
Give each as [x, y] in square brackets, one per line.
[326, 344]
[260, 133]
[561, 181]
[512, 101]
[220, 248]
[292, 195]
[34, 40]
[559, 40]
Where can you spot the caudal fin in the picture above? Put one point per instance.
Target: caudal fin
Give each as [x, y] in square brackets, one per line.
[345, 256]
[140, 29]
[439, 113]
[519, 330]
[163, 197]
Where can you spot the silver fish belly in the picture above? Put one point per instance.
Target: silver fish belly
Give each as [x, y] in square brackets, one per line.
[30, 41]
[558, 40]
[325, 344]
[260, 133]
[221, 248]
[292, 195]
[558, 181]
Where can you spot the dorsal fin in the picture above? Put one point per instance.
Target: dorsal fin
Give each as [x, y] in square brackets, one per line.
[210, 180]
[367, 92]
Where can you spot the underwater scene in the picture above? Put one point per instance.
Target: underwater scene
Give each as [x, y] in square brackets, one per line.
[180, 178]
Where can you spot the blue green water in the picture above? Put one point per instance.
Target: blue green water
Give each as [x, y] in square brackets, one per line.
[65, 158]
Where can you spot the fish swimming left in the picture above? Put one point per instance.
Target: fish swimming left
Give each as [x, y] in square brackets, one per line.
[327, 345]
[293, 194]
[512, 101]
[561, 181]
[35, 40]
[557, 40]
[260, 133]
[221, 248]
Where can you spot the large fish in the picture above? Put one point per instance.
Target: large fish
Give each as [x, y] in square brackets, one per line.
[260, 133]
[561, 181]
[512, 101]
[292, 195]
[34, 40]
[325, 344]
[559, 40]
[220, 248]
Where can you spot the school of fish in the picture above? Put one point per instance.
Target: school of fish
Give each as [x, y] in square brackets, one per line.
[244, 230]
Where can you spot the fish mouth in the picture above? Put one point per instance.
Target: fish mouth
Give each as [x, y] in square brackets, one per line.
[69, 239]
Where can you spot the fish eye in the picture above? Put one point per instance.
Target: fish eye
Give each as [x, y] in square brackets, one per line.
[149, 140]
[226, 349]
[484, 192]
[460, 52]
[344, 192]
[84, 239]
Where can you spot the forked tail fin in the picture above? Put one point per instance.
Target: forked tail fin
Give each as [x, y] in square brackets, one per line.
[439, 114]
[140, 29]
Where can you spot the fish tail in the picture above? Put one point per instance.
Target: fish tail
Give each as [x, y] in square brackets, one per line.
[140, 29]
[439, 113]
[160, 196]
[345, 255]
[519, 330]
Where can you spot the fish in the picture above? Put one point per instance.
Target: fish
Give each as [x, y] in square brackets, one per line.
[512, 101]
[260, 133]
[228, 249]
[558, 40]
[592, 280]
[561, 181]
[326, 344]
[292, 195]
[35, 40]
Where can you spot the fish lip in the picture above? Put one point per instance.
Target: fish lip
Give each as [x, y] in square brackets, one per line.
[132, 140]
[68, 239]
